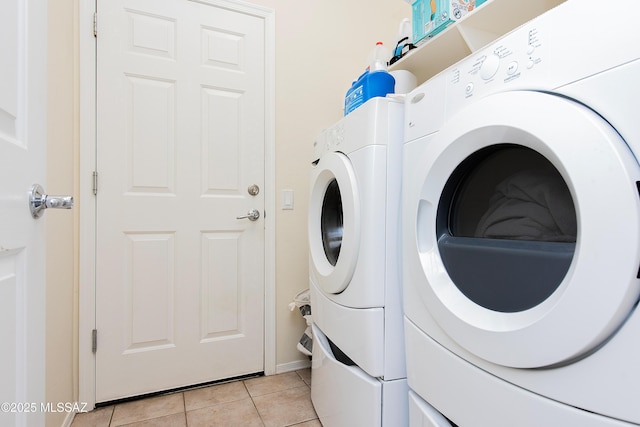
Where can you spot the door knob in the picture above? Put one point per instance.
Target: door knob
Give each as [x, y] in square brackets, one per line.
[38, 201]
[252, 215]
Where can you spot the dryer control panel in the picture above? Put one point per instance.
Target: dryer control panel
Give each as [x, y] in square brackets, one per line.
[517, 61]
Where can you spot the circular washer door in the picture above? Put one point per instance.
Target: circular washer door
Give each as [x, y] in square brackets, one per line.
[334, 229]
[527, 229]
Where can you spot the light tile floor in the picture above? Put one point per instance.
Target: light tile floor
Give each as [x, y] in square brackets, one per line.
[273, 401]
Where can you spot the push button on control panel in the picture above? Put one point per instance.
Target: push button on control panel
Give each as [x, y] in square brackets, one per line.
[468, 90]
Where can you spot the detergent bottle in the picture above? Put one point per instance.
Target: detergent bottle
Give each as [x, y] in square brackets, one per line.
[379, 57]
[375, 81]
[404, 41]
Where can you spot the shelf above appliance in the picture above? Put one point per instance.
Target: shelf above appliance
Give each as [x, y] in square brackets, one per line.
[484, 25]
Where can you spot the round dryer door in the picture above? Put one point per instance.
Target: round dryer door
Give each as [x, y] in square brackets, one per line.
[334, 232]
[528, 226]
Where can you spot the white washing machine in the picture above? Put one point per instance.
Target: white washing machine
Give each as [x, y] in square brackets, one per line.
[358, 367]
[521, 227]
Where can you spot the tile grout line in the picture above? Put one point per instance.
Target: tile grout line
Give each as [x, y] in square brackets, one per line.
[184, 409]
[253, 403]
[113, 409]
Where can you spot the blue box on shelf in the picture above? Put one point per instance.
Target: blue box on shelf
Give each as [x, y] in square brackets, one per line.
[430, 17]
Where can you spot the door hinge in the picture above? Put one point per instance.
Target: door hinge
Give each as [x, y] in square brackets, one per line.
[95, 24]
[95, 183]
[94, 340]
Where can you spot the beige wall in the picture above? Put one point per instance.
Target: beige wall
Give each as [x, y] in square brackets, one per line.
[62, 128]
[321, 47]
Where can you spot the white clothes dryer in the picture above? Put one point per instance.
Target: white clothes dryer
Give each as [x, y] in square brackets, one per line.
[521, 227]
[356, 297]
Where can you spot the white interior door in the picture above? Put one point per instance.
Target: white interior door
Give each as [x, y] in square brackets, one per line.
[180, 139]
[22, 257]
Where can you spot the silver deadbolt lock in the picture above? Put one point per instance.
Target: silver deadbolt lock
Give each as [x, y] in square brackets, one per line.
[253, 190]
[38, 201]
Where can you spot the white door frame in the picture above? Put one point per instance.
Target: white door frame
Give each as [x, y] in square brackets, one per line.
[87, 205]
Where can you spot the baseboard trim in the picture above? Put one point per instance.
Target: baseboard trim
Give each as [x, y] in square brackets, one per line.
[68, 419]
[292, 366]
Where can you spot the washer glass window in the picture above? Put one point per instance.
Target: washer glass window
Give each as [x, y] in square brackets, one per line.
[331, 222]
[506, 228]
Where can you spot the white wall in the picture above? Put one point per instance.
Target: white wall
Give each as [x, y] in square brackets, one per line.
[321, 47]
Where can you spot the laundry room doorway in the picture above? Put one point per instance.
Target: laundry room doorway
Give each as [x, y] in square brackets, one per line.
[181, 185]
